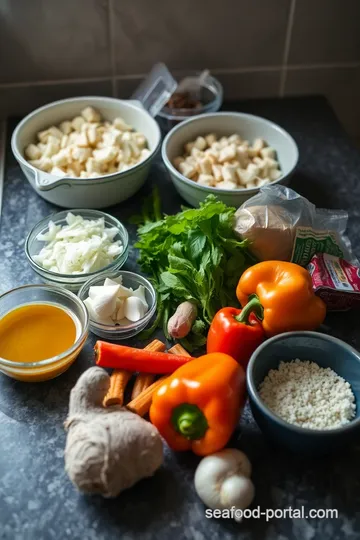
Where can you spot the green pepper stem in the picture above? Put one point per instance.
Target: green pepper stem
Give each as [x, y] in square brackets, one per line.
[189, 420]
[253, 306]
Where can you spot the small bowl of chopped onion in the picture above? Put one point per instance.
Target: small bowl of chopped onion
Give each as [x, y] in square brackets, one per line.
[120, 304]
[304, 391]
[69, 248]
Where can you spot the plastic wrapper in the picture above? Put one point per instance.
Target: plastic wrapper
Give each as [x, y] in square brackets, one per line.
[284, 226]
[336, 281]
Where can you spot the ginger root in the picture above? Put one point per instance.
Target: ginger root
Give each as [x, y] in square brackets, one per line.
[107, 450]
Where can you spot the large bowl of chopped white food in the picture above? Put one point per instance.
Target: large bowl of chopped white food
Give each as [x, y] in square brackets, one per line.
[304, 391]
[87, 152]
[231, 155]
[70, 247]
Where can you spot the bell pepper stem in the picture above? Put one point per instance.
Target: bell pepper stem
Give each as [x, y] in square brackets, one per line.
[253, 306]
[189, 420]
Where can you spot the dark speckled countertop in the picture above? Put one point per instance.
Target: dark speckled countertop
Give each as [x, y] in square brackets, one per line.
[37, 501]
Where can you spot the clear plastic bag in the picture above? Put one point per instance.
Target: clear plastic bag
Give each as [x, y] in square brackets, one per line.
[282, 225]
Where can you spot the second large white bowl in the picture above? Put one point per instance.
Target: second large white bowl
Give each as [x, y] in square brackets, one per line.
[226, 123]
[82, 192]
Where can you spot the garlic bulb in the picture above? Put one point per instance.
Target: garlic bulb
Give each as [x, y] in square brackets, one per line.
[222, 480]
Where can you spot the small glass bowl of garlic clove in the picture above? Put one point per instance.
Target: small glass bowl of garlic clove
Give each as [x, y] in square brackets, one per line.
[120, 304]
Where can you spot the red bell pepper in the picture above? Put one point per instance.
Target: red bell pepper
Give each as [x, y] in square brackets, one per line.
[237, 332]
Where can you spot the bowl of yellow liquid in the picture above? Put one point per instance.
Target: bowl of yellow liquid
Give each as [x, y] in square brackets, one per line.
[42, 330]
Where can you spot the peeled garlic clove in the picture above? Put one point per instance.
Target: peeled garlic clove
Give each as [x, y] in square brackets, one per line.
[124, 292]
[94, 316]
[123, 322]
[134, 309]
[108, 282]
[120, 313]
[105, 304]
[95, 291]
[140, 293]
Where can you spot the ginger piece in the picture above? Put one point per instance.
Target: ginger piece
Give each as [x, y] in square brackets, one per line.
[107, 450]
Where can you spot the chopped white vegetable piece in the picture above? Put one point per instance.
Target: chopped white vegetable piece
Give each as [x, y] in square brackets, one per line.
[93, 315]
[134, 308]
[79, 247]
[104, 304]
[120, 310]
[117, 281]
[140, 293]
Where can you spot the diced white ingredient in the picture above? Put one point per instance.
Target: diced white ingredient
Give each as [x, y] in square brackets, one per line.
[134, 308]
[206, 180]
[32, 152]
[57, 171]
[79, 247]
[105, 155]
[77, 123]
[228, 153]
[66, 127]
[90, 115]
[200, 143]
[120, 123]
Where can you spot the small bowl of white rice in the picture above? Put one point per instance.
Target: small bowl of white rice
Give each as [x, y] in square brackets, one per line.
[304, 391]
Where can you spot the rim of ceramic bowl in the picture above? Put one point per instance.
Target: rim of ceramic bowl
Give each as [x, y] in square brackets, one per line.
[120, 329]
[217, 90]
[68, 352]
[215, 190]
[100, 179]
[253, 391]
[84, 277]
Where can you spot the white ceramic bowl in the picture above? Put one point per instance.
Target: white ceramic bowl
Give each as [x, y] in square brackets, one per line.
[226, 123]
[83, 192]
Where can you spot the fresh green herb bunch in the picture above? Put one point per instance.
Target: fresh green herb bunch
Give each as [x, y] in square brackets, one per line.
[193, 255]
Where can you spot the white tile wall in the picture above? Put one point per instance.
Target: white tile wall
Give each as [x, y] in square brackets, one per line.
[51, 49]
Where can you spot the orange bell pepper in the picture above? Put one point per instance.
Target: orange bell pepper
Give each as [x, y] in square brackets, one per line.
[198, 406]
[286, 294]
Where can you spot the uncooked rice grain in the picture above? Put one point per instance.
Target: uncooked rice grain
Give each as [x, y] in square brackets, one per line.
[306, 395]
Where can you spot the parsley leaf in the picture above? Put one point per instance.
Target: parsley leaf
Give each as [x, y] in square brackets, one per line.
[193, 255]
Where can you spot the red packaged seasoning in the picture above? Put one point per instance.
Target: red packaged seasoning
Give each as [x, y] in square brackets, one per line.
[336, 281]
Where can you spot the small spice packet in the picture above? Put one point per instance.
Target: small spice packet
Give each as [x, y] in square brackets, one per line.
[336, 281]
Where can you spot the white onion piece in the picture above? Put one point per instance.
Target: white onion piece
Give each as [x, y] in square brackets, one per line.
[80, 247]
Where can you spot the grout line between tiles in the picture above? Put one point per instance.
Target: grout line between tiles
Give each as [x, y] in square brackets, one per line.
[287, 48]
[335, 65]
[112, 46]
[54, 82]
[2, 161]
[215, 71]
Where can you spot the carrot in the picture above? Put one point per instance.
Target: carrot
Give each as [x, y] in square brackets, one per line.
[144, 380]
[141, 404]
[118, 382]
[178, 350]
[109, 355]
